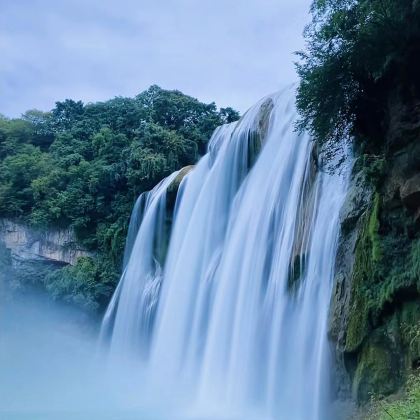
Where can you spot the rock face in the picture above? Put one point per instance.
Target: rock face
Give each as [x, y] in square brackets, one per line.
[28, 256]
[410, 192]
[257, 138]
[356, 204]
[174, 186]
[375, 309]
[26, 244]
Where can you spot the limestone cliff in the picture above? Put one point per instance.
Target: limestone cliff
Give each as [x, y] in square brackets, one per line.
[27, 254]
[53, 245]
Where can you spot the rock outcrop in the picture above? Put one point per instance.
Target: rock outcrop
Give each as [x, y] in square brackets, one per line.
[356, 204]
[257, 138]
[375, 309]
[28, 256]
[27, 244]
[410, 193]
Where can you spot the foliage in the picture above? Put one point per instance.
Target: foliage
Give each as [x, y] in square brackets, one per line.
[355, 49]
[373, 230]
[82, 284]
[363, 276]
[358, 82]
[83, 165]
[387, 263]
[375, 371]
[383, 320]
[405, 408]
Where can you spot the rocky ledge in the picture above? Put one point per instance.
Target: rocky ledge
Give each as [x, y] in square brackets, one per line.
[26, 244]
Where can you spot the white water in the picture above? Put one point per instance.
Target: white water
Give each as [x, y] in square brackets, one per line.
[224, 331]
[137, 291]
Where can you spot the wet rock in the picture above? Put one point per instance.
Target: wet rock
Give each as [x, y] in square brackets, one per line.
[264, 117]
[374, 314]
[178, 179]
[172, 190]
[410, 192]
[257, 138]
[376, 371]
[356, 204]
[404, 124]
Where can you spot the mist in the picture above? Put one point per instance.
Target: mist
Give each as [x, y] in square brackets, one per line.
[50, 366]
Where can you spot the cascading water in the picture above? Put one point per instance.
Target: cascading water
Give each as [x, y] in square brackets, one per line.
[137, 291]
[236, 323]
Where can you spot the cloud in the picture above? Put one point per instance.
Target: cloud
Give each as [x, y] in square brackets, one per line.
[226, 51]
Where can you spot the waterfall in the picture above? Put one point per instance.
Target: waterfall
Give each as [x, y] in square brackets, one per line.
[129, 329]
[232, 320]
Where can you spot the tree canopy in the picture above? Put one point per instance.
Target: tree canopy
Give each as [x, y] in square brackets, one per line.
[83, 165]
[355, 50]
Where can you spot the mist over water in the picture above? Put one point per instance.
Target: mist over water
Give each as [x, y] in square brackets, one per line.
[50, 368]
[45, 358]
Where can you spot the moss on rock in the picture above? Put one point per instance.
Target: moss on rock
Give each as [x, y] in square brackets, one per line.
[410, 333]
[382, 335]
[367, 254]
[375, 373]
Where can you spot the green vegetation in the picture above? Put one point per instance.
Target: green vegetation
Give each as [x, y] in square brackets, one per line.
[383, 320]
[407, 407]
[83, 284]
[374, 371]
[364, 276]
[359, 83]
[357, 51]
[387, 266]
[83, 165]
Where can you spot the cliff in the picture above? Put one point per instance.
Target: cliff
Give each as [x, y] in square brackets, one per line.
[51, 246]
[375, 311]
[28, 254]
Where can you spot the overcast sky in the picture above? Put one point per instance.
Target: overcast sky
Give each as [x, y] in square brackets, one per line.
[229, 51]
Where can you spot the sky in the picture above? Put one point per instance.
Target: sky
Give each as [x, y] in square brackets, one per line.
[232, 52]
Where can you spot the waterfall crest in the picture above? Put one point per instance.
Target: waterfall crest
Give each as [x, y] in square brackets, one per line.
[232, 320]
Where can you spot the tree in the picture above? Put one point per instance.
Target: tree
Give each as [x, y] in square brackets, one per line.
[66, 114]
[83, 166]
[43, 135]
[355, 50]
